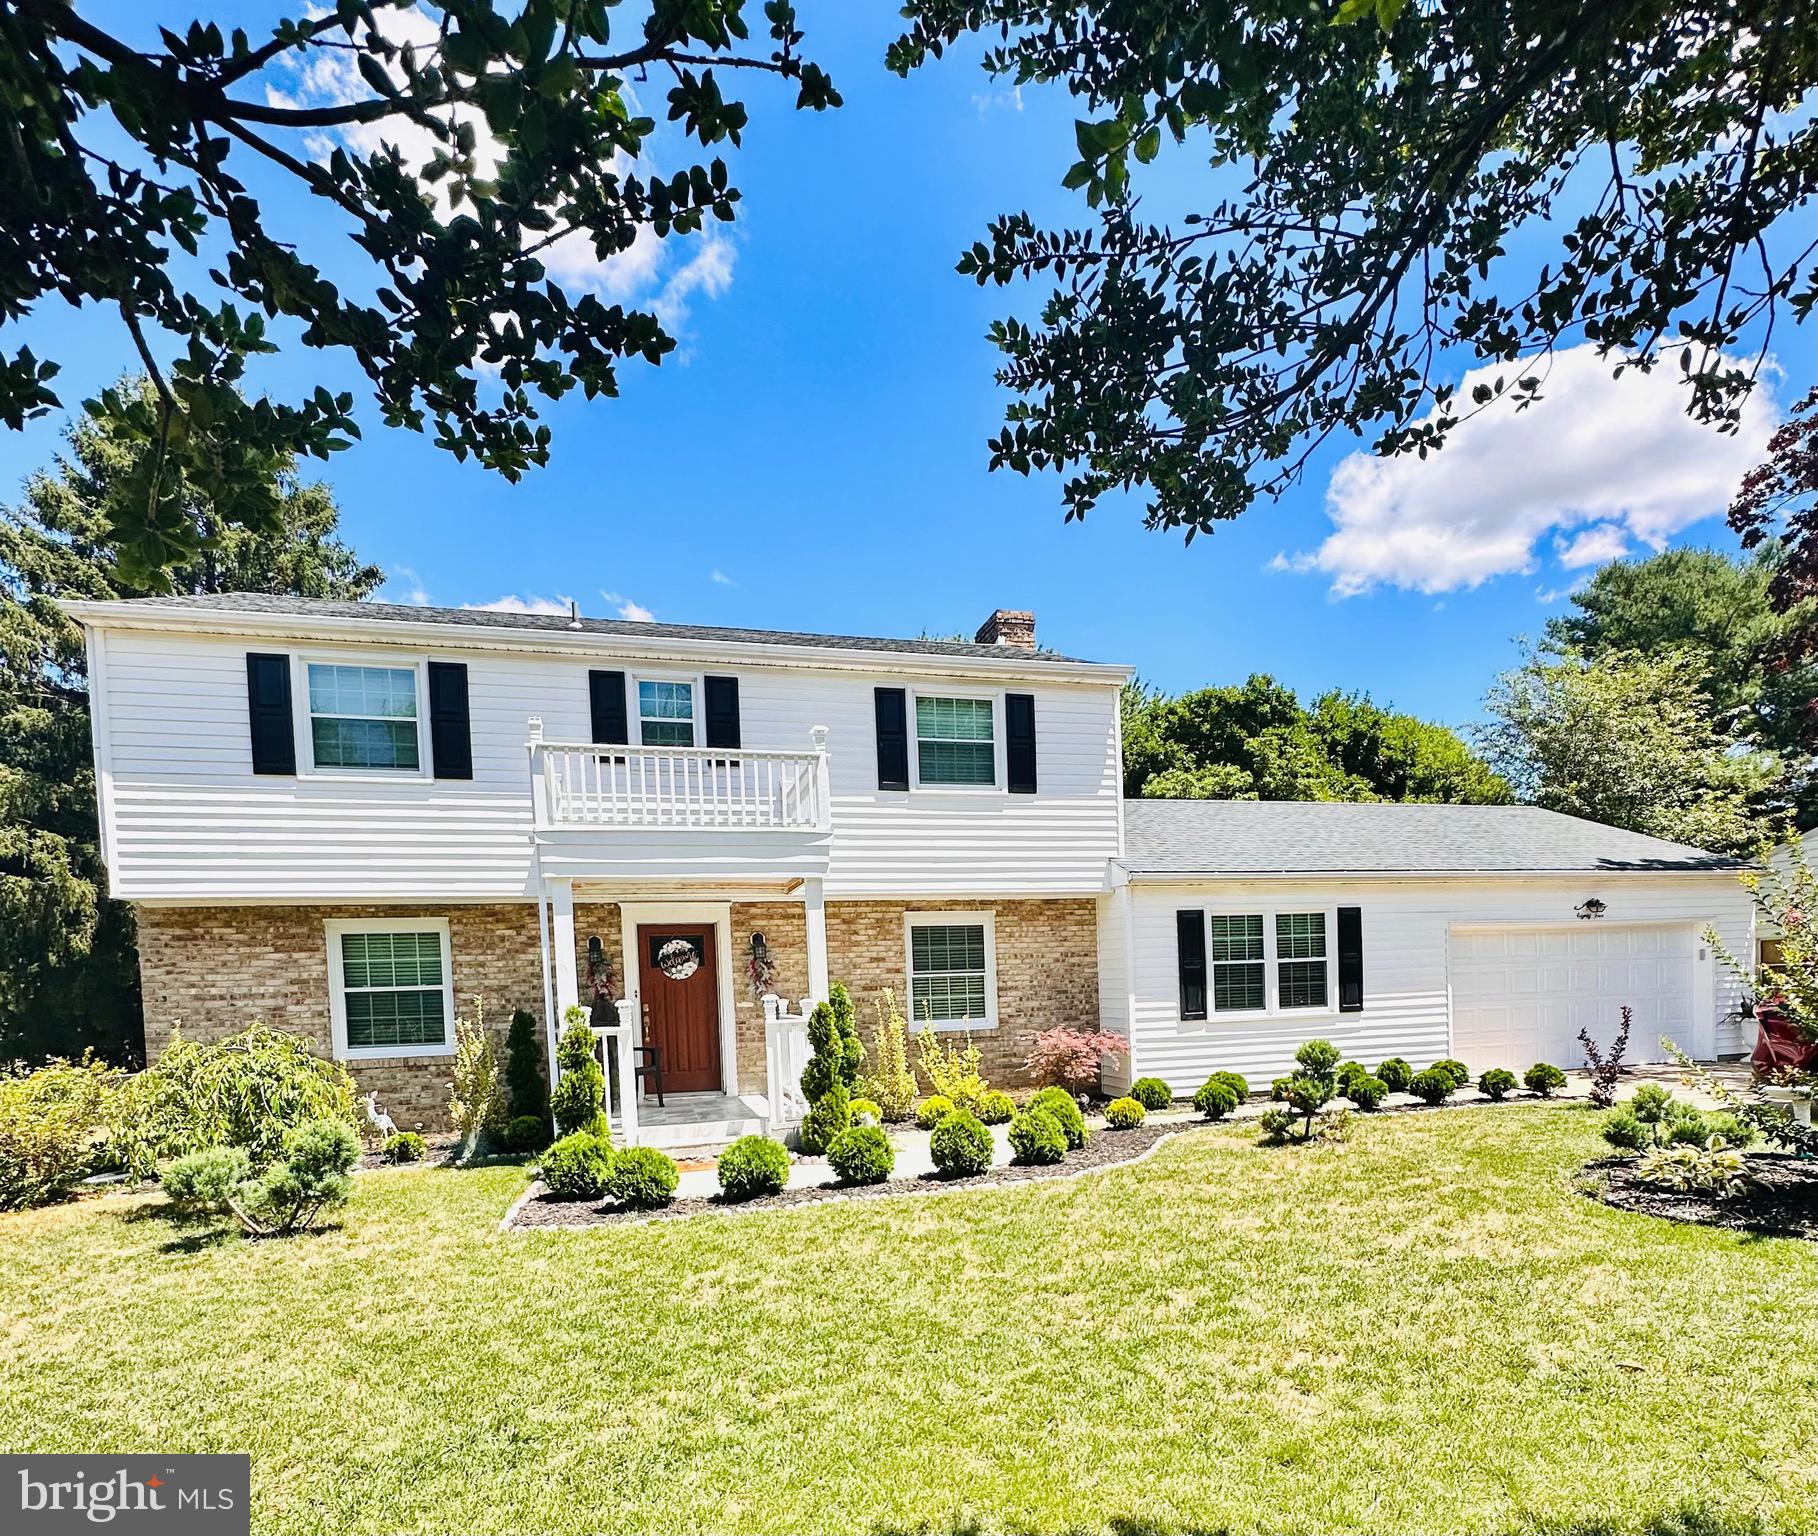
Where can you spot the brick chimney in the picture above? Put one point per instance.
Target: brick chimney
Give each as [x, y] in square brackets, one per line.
[1008, 627]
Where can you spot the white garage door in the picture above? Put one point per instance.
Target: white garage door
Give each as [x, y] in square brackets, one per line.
[1521, 995]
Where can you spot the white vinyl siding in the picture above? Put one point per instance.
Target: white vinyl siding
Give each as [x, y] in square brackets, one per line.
[363, 717]
[665, 713]
[955, 741]
[390, 986]
[952, 970]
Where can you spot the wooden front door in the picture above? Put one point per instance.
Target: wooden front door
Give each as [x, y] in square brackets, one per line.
[678, 981]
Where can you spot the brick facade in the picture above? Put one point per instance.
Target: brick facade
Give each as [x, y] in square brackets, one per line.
[217, 969]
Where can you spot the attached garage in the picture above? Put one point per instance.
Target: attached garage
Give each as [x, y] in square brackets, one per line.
[1522, 994]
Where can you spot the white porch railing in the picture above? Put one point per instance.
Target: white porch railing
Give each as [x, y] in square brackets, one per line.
[785, 1054]
[587, 784]
[617, 1045]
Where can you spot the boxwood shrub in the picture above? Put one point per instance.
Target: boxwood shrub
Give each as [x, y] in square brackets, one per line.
[960, 1145]
[1036, 1138]
[1498, 1083]
[643, 1177]
[525, 1133]
[1151, 1093]
[1461, 1074]
[864, 1112]
[932, 1110]
[1215, 1098]
[1365, 1091]
[577, 1166]
[1544, 1079]
[1065, 1109]
[1435, 1085]
[1397, 1073]
[753, 1166]
[1125, 1114]
[403, 1147]
[995, 1107]
[862, 1155]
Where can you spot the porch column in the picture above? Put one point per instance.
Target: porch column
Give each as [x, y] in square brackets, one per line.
[567, 972]
[814, 907]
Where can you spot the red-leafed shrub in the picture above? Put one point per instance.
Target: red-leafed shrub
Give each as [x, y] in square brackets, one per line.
[1068, 1058]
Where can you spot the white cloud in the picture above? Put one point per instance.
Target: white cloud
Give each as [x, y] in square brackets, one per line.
[987, 102]
[720, 578]
[414, 593]
[1616, 457]
[512, 603]
[628, 609]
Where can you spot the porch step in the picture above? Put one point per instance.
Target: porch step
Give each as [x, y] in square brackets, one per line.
[697, 1120]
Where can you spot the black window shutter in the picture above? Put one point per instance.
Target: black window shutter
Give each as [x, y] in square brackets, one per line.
[892, 738]
[1019, 742]
[1350, 960]
[722, 711]
[274, 735]
[1190, 933]
[450, 738]
[606, 699]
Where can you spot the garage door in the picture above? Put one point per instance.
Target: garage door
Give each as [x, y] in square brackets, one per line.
[1521, 995]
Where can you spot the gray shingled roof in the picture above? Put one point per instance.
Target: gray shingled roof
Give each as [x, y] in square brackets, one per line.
[1267, 837]
[488, 618]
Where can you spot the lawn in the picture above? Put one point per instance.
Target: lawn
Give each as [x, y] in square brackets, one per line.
[1426, 1330]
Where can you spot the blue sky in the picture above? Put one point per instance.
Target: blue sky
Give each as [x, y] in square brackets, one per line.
[815, 458]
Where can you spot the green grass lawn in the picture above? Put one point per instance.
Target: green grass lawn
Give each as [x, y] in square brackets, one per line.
[1425, 1330]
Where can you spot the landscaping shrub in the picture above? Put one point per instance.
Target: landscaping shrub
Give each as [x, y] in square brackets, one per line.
[1059, 1103]
[932, 1110]
[830, 1117]
[1624, 1132]
[996, 1107]
[1236, 1083]
[1366, 1092]
[526, 1091]
[408, 1147]
[1735, 1132]
[862, 1155]
[837, 1051]
[1434, 1086]
[1715, 1169]
[1687, 1128]
[1124, 1114]
[1347, 1072]
[1498, 1083]
[1276, 1125]
[1544, 1079]
[578, 1100]
[1306, 1093]
[311, 1176]
[526, 1133]
[1069, 1058]
[477, 1106]
[51, 1122]
[1396, 1073]
[960, 1145]
[1606, 1066]
[952, 1070]
[1318, 1058]
[1215, 1098]
[642, 1177]
[1651, 1103]
[577, 1166]
[865, 1112]
[1036, 1138]
[205, 1182]
[891, 1081]
[1461, 1074]
[1278, 1088]
[250, 1090]
[1151, 1093]
[753, 1166]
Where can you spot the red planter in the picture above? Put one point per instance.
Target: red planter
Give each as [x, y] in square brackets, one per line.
[1781, 1046]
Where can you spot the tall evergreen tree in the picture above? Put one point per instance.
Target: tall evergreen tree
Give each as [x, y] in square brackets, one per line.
[68, 966]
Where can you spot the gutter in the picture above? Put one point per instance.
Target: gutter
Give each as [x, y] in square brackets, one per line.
[1122, 874]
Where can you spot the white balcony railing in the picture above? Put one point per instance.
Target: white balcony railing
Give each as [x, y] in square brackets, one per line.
[585, 784]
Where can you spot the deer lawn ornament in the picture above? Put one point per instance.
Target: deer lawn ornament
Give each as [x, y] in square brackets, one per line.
[382, 1124]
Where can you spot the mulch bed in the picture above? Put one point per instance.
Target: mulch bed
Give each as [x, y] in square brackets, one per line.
[1106, 1149]
[1781, 1200]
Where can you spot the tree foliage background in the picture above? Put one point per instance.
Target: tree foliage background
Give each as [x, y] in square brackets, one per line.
[68, 966]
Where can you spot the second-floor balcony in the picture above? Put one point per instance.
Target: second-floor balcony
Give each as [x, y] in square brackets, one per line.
[583, 785]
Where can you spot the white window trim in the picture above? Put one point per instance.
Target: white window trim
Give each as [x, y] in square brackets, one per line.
[1271, 1008]
[697, 684]
[914, 920]
[999, 776]
[337, 994]
[306, 736]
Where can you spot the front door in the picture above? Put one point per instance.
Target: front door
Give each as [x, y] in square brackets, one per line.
[679, 983]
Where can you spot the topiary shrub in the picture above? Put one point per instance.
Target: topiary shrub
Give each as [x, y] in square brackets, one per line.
[1036, 1138]
[1544, 1079]
[1366, 1092]
[1433, 1086]
[960, 1145]
[643, 1177]
[831, 1115]
[1461, 1074]
[1061, 1104]
[1498, 1083]
[579, 1097]
[932, 1110]
[1276, 1125]
[837, 1051]
[1124, 1114]
[1278, 1088]
[311, 1176]
[1397, 1073]
[1624, 1132]
[526, 1133]
[753, 1166]
[1318, 1058]
[1215, 1097]
[525, 1089]
[996, 1107]
[577, 1166]
[865, 1112]
[1151, 1093]
[862, 1155]
[406, 1147]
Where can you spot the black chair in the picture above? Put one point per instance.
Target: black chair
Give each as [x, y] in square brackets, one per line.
[651, 1068]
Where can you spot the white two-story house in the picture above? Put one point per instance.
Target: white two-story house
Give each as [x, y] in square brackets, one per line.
[350, 820]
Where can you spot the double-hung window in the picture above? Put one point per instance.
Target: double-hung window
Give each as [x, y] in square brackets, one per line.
[1260, 962]
[665, 713]
[955, 741]
[952, 971]
[1300, 959]
[363, 717]
[390, 987]
[1239, 977]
